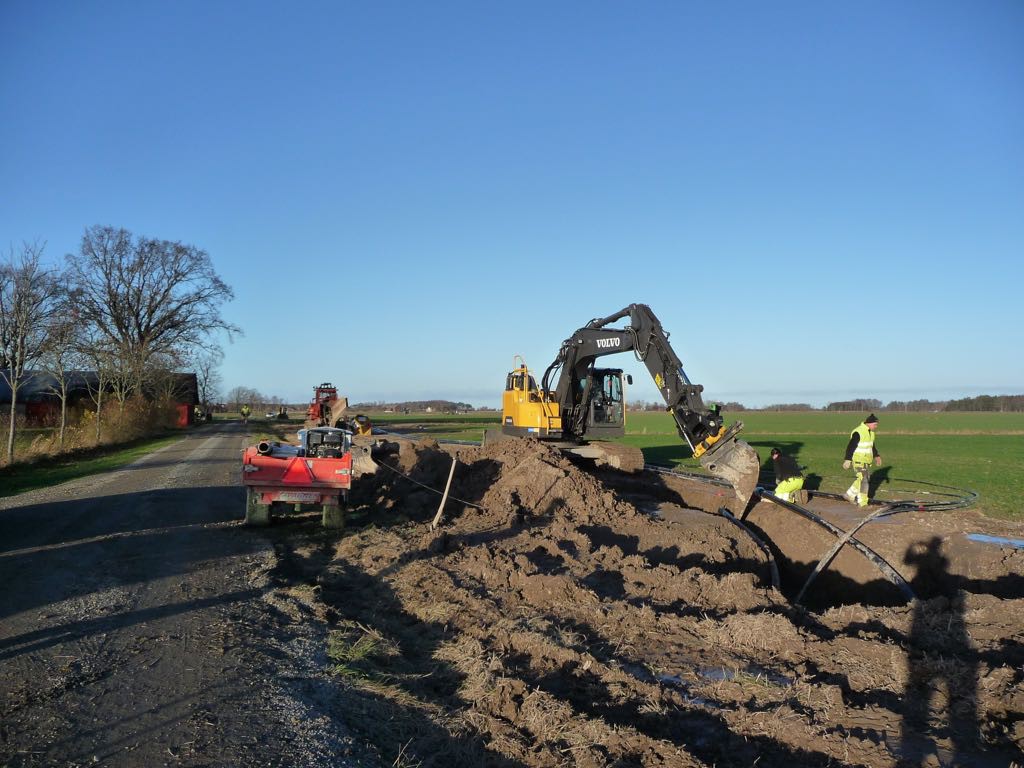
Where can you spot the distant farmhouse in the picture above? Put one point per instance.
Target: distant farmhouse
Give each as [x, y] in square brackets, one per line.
[39, 402]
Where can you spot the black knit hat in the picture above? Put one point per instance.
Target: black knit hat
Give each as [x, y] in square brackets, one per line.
[872, 419]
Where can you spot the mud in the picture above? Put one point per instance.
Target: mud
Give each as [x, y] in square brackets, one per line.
[572, 615]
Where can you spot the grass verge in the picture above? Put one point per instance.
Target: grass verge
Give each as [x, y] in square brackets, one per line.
[45, 473]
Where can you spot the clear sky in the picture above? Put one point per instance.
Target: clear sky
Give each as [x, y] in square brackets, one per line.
[819, 200]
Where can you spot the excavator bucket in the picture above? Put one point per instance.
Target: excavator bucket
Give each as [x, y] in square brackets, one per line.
[736, 462]
[367, 450]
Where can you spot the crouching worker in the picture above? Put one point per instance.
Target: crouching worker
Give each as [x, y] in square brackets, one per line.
[789, 482]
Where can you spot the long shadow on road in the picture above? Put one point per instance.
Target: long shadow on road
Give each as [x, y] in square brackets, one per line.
[45, 637]
[53, 552]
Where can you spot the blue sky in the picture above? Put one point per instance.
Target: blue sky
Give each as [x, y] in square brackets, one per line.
[819, 200]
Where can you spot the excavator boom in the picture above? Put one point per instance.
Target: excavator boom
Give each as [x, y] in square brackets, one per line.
[576, 388]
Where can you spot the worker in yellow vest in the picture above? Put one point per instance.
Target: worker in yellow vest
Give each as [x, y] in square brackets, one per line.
[860, 453]
[245, 410]
[789, 481]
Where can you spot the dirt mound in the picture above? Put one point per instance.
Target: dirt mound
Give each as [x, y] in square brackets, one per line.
[557, 620]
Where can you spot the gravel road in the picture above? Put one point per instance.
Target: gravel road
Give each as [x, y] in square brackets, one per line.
[134, 629]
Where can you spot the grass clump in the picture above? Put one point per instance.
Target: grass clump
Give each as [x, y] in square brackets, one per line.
[360, 652]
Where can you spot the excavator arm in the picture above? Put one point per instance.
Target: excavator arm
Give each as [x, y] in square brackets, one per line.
[716, 446]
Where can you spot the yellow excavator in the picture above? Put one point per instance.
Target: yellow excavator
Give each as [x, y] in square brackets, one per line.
[576, 403]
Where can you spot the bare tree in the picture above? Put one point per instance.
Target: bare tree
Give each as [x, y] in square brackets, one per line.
[59, 360]
[146, 296]
[98, 356]
[206, 365]
[163, 380]
[122, 375]
[28, 293]
[236, 396]
[166, 384]
[239, 396]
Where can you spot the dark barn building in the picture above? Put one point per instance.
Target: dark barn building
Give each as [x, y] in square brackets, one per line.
[39, 402]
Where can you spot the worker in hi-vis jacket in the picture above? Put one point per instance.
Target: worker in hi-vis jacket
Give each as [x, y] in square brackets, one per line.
[860, 453]
[789, 482]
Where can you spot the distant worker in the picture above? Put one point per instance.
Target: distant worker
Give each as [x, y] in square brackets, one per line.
[789, 482]
[860, 452]
[245, 411]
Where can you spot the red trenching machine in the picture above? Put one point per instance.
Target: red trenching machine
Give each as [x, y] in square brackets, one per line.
[317, 471]
[324, 397]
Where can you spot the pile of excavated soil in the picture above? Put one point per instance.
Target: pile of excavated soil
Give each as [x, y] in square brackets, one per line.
[554, 620]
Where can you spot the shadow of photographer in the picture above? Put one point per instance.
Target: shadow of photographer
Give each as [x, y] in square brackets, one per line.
[940, 660]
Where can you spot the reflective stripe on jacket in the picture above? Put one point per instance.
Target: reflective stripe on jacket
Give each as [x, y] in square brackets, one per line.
[864, 453]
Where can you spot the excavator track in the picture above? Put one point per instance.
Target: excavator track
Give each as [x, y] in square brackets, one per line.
[622, 457]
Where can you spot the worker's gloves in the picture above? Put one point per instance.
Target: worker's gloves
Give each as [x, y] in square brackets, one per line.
[846, 464]
[878, 461]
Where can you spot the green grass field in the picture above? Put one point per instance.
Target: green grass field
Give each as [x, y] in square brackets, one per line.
[982, 452]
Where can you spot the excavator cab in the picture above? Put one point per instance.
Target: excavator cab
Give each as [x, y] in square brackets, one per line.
[605, 403]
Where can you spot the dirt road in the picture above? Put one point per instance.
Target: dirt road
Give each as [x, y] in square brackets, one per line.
[132, 629]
